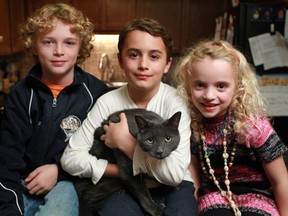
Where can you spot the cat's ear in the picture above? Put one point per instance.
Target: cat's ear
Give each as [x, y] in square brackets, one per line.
[141, 122]
[174, 120]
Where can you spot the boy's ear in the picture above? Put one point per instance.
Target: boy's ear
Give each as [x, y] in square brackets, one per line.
[119, 60]
[34, 50]
[167, 67]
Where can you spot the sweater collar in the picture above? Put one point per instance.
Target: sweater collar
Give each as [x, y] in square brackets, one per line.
[34, 75]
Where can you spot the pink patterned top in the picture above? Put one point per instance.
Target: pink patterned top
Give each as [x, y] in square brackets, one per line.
[249, 184]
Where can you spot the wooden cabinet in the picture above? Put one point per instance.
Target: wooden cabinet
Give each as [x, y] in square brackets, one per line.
[33, 5]
[169, 13]
[4, 28]
[92, 9]
[117, 13]
[108, 16]
[200, 21]
[11, 17]
[17, 17]
[186, 20]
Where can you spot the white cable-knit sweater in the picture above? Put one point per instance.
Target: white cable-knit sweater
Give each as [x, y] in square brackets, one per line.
[170, 171]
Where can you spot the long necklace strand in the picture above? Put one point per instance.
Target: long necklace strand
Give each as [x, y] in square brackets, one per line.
[227, 194]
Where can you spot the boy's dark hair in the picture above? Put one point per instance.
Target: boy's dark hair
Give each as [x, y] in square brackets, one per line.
[151, 26]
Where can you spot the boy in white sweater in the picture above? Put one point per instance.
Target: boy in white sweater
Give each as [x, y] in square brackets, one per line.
[145, 55]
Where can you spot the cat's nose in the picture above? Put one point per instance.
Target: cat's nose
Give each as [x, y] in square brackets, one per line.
[160, 153]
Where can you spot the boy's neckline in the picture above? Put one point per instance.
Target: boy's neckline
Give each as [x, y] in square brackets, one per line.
[55, 88]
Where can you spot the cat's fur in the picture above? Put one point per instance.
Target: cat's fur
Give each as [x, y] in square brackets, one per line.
[156, 136]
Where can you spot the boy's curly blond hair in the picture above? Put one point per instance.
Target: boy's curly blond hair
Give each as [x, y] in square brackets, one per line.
[42, 22]
[247, 103]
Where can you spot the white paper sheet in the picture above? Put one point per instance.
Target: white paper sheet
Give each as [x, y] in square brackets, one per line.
[286, 25]
[256, 50]
[269, 50]
[277, 98]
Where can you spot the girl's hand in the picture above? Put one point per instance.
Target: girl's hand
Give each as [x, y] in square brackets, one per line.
[276, 172]
[42, 179]
[118, 136]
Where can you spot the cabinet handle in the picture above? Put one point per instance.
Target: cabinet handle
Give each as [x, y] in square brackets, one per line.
[1, 38]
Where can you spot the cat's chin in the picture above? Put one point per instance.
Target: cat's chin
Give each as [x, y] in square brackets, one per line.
[159, 157]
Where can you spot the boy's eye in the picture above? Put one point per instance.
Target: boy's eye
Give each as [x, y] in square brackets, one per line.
[134, 55]
[154, 57]
[70, 43]
[47, 42]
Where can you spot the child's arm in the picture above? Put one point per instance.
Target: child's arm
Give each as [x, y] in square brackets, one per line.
[76, 158]
[42, 179]
[118, 136]
[276, 172]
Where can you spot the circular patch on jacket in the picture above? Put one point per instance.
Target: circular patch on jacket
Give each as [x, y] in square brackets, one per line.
[70, 125]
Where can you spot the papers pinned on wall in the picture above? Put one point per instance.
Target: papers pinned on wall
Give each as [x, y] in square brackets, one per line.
[277, 98]
[269, 50]
[274, 87]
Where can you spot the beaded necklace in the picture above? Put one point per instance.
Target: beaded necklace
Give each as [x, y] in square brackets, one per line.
[227, 194]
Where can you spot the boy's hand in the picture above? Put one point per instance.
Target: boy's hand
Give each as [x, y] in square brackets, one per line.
[118, 136]
[116, 133]
[42, 179]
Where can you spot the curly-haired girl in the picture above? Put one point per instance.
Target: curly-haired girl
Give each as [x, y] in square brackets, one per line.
[238, 152]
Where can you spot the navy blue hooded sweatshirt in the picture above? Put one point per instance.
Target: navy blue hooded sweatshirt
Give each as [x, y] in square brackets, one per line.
[36, 128]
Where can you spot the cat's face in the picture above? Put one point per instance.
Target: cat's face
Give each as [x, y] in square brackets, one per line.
[158, 140]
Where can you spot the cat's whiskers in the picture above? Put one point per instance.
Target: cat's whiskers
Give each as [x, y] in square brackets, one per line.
[146, 162]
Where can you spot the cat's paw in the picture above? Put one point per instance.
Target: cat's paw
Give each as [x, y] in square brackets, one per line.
[159, 210]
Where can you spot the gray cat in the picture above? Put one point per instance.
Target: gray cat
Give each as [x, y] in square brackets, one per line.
[156, 137]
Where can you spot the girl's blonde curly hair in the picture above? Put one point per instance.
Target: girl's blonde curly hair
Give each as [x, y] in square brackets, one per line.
[42, 21]
[247, 103]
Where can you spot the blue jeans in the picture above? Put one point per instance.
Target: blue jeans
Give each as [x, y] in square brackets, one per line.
[62, 200]
[179, 201]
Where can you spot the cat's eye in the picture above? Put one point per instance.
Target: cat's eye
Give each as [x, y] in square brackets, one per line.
[168, 139]
[150, 140]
